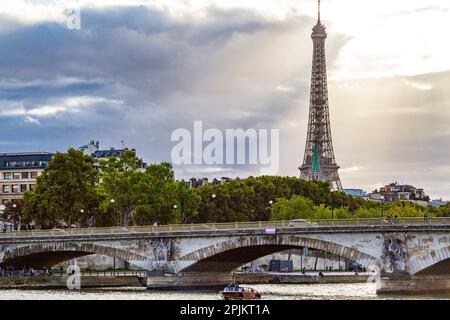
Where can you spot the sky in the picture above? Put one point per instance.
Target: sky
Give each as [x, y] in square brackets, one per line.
[137, 70]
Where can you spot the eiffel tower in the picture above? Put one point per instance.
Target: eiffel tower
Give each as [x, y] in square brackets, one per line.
[319, 162]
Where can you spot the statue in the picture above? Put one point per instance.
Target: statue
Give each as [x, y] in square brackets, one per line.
[394, 255]
[162, 251]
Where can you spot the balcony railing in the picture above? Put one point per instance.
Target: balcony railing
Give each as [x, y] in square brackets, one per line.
[228, 226]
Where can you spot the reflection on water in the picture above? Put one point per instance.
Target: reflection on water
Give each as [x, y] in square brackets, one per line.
[271, 292]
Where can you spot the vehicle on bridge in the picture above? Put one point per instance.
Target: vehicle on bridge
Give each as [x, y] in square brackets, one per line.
[301, 223]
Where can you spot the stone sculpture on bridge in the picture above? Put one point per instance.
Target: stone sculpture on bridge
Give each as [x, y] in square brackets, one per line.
[162, 251]
[394, 256]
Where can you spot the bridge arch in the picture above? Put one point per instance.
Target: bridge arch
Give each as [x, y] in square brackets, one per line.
[229, 255]
[431, 261]
[49, 254]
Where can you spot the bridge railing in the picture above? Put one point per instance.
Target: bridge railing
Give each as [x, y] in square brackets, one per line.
[229, 226]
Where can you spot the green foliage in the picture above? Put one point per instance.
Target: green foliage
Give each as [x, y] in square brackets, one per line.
[124, 194]
[295, 208]
[133, 196]
[72, 191]
[188, 201]
[159, 196]
[249, 200]
[120, 186]
[65, 192]
[13, 214]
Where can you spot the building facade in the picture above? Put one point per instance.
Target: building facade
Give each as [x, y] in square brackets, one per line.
[18, 173]
[355, 192]
[196, 182]
[93, 149]
[401, 192]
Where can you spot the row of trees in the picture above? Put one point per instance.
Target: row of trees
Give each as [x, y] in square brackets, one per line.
[75, 191]
[299, 207]
[72, 191]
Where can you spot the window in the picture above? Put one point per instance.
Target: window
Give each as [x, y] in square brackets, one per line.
[23, 188]
[15, 188]
[31, 187]
[23, 164]
[16, 175]
[25, 175]
[6, 189]
[34, 175]
[7, 176]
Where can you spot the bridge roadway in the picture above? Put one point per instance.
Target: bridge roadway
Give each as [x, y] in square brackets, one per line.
[409, 256]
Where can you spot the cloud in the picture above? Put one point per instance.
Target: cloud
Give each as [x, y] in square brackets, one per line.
[31, 120]
[138, 70]
[66, 105]
[418, 85]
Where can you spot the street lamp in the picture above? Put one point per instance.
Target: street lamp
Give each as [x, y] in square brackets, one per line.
[332, 205]
[13, 216]
[270, 202]
[213, 196]
[114, 211]
[175, 206]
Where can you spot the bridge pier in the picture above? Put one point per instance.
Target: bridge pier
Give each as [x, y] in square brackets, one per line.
[417, 284]
[181, 281]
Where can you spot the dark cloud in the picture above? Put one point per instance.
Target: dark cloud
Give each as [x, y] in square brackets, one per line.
[222, 69]
[148, 73]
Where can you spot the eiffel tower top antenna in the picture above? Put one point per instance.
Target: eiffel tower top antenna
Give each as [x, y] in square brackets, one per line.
[318, 4]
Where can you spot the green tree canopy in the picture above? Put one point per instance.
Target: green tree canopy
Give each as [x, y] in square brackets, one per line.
[120, 186]
[297, 207]
[65, 192]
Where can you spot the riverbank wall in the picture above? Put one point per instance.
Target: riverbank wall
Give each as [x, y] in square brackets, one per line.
[55, 282]
[287, 278]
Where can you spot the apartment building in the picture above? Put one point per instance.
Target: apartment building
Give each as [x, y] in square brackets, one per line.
[93, 149]
[18, 173]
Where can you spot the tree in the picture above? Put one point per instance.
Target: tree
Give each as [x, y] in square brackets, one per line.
[120, 186]
[13, 214]
[297, 207]
[158, 193]
[144, 197]
[65, 192]
[189, 201]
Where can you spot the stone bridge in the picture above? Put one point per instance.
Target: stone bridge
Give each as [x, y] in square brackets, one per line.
[406, 257]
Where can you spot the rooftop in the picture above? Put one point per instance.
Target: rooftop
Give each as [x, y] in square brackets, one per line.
[24, 160]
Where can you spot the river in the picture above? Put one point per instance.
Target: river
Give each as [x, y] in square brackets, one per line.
[358, 291]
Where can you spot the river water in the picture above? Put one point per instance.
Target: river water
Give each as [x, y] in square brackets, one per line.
[358, 291]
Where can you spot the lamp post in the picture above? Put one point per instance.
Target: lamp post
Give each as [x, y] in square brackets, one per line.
[81, 211]
[114, 211]
[14, 216]
[332, 207]
[213, 196]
